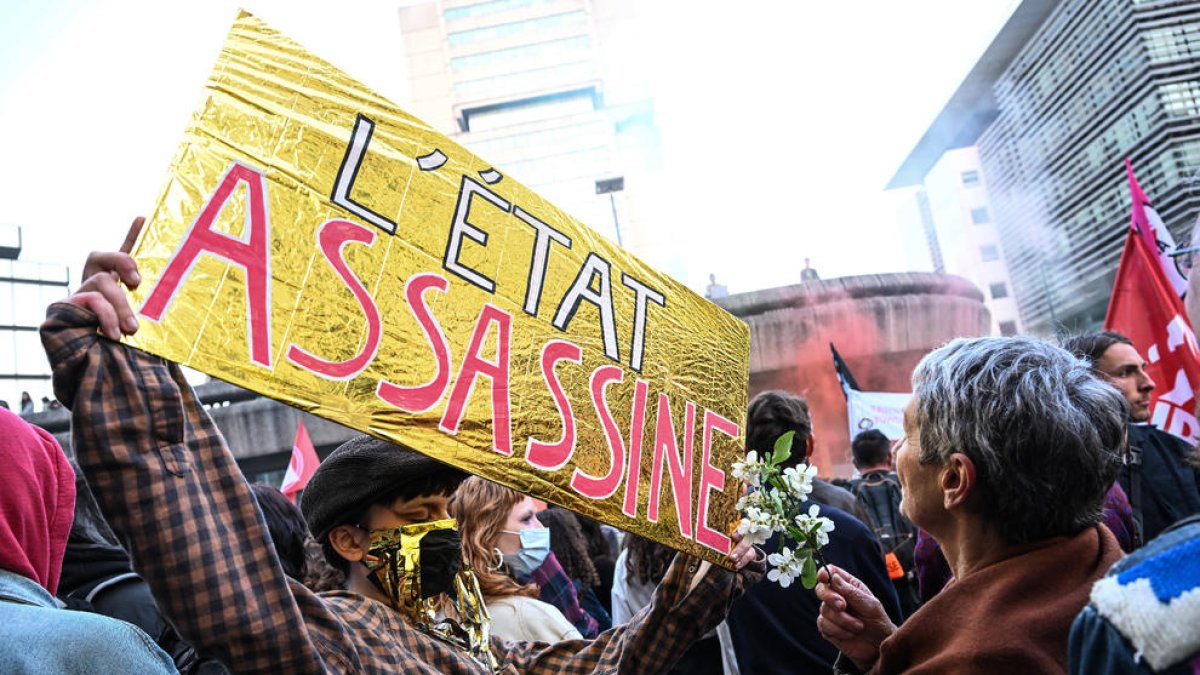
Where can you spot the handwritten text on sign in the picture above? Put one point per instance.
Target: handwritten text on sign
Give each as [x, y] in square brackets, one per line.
[318, 245]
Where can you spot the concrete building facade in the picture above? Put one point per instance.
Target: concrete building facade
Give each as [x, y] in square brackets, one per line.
[541, 89]
[881, 324]
[951, 216]
[259, 431]
[1065, 93]
[26, 289]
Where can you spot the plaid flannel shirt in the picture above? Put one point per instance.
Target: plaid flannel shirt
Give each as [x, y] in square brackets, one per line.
[171, 489]
[556, 588]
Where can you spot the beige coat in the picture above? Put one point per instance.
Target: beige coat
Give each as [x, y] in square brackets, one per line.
[526, 619]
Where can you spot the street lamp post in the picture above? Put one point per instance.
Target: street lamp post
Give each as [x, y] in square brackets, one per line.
[611, 186]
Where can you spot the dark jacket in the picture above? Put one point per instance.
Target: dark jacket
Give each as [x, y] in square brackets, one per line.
[829, 494]
[101, 579]
[774, 630]
[1168, 491]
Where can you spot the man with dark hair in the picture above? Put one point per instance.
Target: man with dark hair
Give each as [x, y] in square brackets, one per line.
[365, 475]
[167, 480]
[773, 629]
[774, 413]
[871, 451]
[878, 491]
[1162, 488]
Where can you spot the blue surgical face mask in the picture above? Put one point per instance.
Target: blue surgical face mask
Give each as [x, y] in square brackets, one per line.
[535, 547]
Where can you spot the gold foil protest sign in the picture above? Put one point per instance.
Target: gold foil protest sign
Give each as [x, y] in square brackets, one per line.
[318, 245]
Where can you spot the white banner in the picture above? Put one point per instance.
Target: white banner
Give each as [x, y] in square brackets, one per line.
[876, 410]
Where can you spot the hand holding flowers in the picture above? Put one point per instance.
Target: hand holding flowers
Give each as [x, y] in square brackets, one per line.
[773, 504]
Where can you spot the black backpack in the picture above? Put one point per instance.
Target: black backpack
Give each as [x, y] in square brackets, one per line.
[879, 494]
[126, 596]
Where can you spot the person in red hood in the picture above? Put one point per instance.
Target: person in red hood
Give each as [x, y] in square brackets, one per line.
[37, 505]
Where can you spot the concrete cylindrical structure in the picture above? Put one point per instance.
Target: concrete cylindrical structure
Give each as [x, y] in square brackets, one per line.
[882, 324]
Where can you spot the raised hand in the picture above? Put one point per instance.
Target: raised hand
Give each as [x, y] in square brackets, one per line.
[101, 292]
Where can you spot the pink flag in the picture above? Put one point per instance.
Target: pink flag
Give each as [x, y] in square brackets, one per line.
[302, 465]
[1147, 223]
[1145, 307]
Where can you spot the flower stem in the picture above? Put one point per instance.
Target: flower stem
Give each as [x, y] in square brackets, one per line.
[823, 564]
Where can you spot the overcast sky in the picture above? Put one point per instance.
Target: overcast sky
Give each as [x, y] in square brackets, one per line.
[781, 120]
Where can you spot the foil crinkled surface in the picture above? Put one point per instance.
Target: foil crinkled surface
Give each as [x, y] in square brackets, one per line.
[253, 273]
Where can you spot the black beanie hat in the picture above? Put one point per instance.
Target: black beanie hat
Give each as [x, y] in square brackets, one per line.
[359, 473]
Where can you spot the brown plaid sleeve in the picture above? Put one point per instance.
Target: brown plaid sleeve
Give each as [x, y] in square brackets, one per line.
[656, 637]
[169, 486]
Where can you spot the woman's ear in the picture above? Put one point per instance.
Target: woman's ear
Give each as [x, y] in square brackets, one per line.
[957, 480]
[349, 541]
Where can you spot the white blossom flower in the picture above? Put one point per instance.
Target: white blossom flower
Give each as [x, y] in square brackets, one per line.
[749, 470]
[758, 525]
[774, 504]
[753, 498]
[773, 520]
[799, 480]
[787, 567]
[754, 531]
[815, 525]
[781, 559]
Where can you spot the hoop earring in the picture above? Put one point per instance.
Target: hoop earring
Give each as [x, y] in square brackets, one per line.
[497, 560]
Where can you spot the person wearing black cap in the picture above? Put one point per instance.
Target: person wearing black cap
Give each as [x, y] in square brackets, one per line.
[170, 486]
[361, 479]
[387, 507]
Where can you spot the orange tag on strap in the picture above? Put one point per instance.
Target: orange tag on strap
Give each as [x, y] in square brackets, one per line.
[894, 568]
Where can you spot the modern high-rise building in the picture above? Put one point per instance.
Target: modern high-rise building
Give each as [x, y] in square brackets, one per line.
[951, 215]
[26, 290]
[1065, 93]
[544, 91]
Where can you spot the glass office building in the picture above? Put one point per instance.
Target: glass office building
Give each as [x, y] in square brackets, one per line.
[1067, 91]
[549, 92]
[1101, 81]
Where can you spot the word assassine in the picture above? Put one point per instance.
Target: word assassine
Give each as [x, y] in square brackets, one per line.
[252, 254]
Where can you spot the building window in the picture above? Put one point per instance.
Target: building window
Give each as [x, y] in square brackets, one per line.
[488, 7]
[999, 290]
[540, 53]
[1008, 328]
[980, 216]
[540, 23]
[525, 80]
[970, 178]
[989, 252]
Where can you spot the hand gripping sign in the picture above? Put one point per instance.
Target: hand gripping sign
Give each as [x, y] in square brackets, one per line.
[318, 245]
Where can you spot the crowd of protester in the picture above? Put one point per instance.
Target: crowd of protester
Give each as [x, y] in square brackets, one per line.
[1007, 531]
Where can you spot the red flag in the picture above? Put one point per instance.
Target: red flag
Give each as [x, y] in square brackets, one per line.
[1145, 307]
[1147, 222]
[302, 465]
